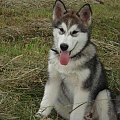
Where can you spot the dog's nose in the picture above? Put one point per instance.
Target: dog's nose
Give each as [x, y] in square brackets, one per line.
[64, 47]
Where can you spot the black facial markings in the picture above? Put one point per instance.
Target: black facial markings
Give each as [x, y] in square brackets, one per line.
[74, 33]
[62, 31]
[54, 50]
[79, 54]
[74, 46]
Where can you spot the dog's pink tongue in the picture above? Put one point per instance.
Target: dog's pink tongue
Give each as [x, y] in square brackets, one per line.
[64, 57]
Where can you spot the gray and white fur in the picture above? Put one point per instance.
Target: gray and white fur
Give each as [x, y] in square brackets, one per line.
[78, 90]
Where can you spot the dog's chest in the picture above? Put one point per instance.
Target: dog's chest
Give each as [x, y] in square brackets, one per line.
[74, 79]
[73, 76]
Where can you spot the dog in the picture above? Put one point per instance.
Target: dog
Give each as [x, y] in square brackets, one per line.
[77, 86]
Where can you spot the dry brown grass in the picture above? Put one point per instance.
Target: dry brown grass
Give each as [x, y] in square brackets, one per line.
[25, 38]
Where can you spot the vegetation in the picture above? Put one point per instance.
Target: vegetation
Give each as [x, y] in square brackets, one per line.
[25, 39]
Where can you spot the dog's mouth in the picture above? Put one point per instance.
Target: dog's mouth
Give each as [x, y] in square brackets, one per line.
[64, 55]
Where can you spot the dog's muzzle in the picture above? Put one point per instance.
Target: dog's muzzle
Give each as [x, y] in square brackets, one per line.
[64, 47]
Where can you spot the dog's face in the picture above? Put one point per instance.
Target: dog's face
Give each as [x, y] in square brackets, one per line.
[70, 30]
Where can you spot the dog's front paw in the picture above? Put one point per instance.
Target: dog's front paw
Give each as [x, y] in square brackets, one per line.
[39, 115]
[43, 112]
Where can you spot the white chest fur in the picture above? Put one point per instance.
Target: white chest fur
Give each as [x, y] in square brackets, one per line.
[73, 74]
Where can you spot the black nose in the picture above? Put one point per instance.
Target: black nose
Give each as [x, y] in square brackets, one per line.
[64, 47]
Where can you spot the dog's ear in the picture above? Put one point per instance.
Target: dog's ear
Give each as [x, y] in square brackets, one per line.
[58, 10]
[85, 14]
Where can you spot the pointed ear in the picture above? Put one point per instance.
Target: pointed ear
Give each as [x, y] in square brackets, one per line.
[85, 14]
[59, 10]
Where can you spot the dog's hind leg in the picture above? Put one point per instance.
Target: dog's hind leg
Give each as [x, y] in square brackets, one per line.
[104, 106]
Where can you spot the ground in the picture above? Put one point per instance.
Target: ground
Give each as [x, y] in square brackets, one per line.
[26, 37]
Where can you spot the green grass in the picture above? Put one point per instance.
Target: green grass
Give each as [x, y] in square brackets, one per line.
[25, 39]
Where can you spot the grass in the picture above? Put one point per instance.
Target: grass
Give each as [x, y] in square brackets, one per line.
[26, 37]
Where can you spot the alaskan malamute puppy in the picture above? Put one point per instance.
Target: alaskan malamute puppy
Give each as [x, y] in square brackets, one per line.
[77, 86]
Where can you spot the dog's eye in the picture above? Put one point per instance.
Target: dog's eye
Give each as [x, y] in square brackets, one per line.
[61, 31]
[74, 33]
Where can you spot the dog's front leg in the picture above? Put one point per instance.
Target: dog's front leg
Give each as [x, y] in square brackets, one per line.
[79, 106]
[50, 95]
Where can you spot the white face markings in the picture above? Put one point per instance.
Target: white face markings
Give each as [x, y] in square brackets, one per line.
[67, 29]
[72, 36]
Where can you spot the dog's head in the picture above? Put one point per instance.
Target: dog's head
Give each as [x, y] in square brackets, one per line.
[70, 30]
